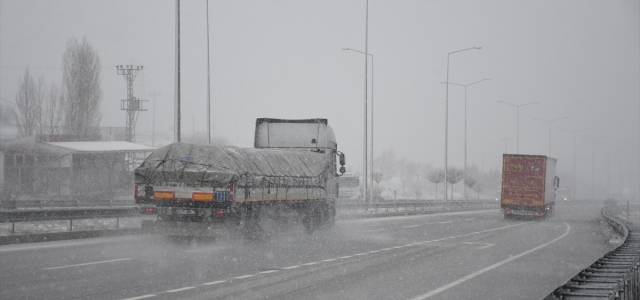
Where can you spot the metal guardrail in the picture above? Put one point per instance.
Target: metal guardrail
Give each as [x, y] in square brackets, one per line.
[30, 215]
[418, 206]
[63, 203]
[614, 276]
[41, 213]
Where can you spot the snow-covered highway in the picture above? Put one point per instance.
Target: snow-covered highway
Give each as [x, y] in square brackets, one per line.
[469, 255]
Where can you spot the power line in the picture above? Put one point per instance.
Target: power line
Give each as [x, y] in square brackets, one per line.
[8, 101]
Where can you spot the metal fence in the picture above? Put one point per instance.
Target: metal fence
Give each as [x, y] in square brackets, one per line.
[415, 206]
[16, 204]
[615, 275]
[30, 215]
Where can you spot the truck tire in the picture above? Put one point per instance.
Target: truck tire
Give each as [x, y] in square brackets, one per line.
[312, 219]
[250, 223]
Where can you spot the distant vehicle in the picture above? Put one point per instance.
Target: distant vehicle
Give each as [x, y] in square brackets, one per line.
[291, 171]
[562, 195]
[498, 194]
[529, 184]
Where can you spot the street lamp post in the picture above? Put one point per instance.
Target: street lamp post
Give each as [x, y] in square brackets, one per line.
[574, 157]
[446, 120]
[153, 126]
[550, 121]
[593, 167]
[208, 83]
[372, 75]
[517, 121]
[466, 192]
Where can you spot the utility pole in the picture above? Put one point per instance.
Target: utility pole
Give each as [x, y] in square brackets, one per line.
[208, 83]
[132, 105]
[153, 126]
[574, 132]
[176, 125]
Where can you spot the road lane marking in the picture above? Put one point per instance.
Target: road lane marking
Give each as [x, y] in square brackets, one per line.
[411, 226]
[359, 254]
[374, 251]
[330, 259]
[491, 267]
[486, 245]
[470, 219]
[181, 289]
[447, 222]
[141, 297]
[292, 267]
[267, 272]
[86, 264]
[216, 282]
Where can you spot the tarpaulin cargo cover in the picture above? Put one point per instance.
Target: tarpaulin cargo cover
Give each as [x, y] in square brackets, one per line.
[219, 166]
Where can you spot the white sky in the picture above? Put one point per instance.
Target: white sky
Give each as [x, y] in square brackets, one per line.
[283, 59]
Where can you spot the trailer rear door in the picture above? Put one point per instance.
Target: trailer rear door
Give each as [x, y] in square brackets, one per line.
[523, 180]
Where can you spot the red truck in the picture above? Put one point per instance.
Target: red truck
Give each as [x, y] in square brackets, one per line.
[529, 184]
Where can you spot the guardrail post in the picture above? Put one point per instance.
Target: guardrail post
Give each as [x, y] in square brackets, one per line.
[13, 227]
[117, 222]
[627, 210]
[70, 224]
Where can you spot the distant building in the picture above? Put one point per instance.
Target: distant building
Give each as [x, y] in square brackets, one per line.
[63, 167]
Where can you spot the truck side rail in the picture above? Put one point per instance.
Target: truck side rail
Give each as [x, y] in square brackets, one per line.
[615, 275]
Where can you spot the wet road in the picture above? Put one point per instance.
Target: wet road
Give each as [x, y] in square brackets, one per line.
[472, 255]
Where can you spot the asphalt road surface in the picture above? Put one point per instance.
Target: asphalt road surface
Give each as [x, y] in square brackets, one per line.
[469, 255]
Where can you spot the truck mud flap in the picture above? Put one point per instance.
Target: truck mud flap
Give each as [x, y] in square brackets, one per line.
[187, 228]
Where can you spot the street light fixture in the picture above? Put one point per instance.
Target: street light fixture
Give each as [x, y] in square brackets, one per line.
[518, 121]
[372, 74]
[446, 120]
[574, 156]
[593, 167]
[550, 121]
[466, 192]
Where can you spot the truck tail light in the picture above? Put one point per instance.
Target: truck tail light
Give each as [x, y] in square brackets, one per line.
[219, 212]
[164, 194]
[200, 196]
[506, 212]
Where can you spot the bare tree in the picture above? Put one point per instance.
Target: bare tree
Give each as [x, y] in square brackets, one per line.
[377, 177]
[8, 114]
[436, 176]
[454, 175]
[81, 84]
[478, 188]
[470, 182]
[53, 110]
[29, 102]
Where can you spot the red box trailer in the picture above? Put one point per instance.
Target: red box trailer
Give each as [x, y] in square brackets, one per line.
[529, 184]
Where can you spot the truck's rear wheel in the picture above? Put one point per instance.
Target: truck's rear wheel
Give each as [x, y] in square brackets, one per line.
[250, 223]
[309, 221]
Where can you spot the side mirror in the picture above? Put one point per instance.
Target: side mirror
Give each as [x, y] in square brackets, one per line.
[342, 163]
[343, 170]
[557, 182]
